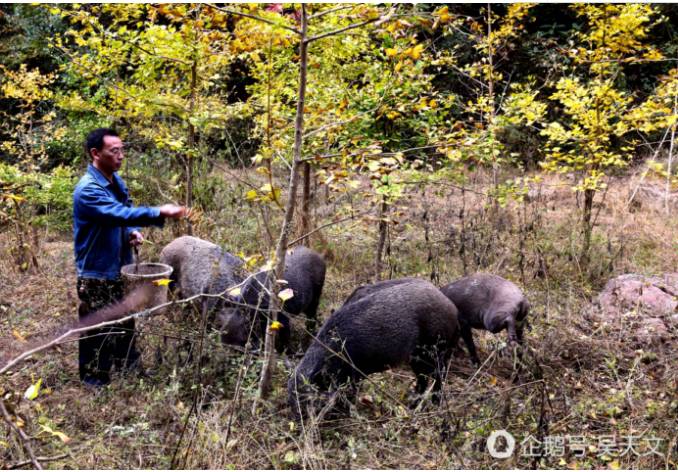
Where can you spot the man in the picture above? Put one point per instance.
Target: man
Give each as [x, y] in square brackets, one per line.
[105, 227]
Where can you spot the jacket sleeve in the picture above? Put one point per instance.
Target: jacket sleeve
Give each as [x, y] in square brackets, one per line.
[95, 204]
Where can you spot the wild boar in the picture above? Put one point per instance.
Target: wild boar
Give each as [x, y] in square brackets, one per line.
[489, 302]
[305, 276]
[411, 322]
[202, 267]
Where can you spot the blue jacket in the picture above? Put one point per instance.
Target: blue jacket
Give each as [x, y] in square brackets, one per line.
[103, 218]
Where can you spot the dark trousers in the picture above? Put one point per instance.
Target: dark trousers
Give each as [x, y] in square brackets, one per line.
[100, 349]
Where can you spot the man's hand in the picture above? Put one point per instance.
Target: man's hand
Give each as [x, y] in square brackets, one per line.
[136, 238]
[172, 211]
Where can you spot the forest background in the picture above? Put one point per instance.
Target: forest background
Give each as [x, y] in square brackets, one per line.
[535, 141]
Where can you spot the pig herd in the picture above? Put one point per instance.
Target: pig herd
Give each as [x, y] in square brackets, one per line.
[379, 326]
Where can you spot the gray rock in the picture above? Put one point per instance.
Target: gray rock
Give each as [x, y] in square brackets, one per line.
[645, 306]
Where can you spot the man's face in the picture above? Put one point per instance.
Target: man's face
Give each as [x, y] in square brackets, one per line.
[109, 159]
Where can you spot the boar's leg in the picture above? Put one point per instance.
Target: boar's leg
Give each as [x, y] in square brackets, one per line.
[282, 340]
[512, 334]
[519, 333]
[515, 330]
[467, 336]
[428, 362]
[312, 313]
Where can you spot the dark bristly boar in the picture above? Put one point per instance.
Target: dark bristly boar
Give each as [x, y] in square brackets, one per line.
[305, 276]
[410, 322]
[368, 289]
[488, 302]
[202, 267]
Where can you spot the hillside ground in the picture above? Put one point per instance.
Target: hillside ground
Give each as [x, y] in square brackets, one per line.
[577, 382]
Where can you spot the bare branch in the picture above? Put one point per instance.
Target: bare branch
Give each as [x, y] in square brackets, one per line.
[331, 223]
[341, 30]
[25, 441]
[254, 17]
[21, 465]
[331, 10]
[172, 59]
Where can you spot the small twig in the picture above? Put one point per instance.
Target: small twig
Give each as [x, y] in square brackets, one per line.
[340, 30]
[25, 441]
[254, 17]
[21, 465]
[331, 223]
[443, 184]
[331, 10]
[642, 177]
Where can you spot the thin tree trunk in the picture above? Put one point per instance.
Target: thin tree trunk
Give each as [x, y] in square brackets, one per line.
[383, 226]
[667, 207]
[490, 86]
[191, 147]
[306, 204]
[587, 224]
[269, 352]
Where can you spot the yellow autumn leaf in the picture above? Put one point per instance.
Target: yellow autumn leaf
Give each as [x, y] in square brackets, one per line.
[162, 282]
[444, 11]
[614, 465]
[251, 195]
[414, 52]
[64, 438]
[33, 391]
[286, 294]
[18, 336]
[275, 326]
[16, 198]
[390, 52]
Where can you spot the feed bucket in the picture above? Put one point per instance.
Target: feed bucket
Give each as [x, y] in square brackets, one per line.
[146, 273]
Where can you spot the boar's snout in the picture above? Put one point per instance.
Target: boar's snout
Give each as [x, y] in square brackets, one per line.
[233, 326]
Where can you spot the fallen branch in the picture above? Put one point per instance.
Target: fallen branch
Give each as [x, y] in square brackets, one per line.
[25, 441]
[20, 465]
[113, 314]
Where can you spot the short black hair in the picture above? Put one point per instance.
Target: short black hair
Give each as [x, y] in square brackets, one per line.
[95, 139]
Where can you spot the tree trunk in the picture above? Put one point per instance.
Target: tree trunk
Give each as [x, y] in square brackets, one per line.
[306, 204]
[383, 227]
[190, 158]
[587, 225]
[667, 193]
[269, 352]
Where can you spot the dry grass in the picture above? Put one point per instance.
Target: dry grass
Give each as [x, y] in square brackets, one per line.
[575, 380]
